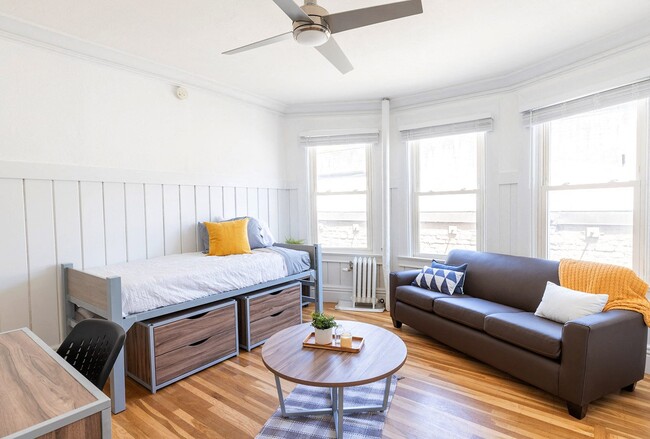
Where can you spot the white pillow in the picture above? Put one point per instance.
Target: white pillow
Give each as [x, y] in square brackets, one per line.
[562, 304]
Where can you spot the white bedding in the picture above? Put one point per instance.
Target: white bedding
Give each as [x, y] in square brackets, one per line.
[167, 280]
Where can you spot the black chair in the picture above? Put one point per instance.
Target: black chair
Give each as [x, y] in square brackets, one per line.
[92, 348]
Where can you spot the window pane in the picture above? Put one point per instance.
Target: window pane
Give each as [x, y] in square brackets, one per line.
[341, 168]
[446, 222]
[448, 163]
[342, 221]
[592, 225]
[594, 147]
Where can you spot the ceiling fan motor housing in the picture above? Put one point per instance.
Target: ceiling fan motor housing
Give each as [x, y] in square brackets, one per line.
[312, 34]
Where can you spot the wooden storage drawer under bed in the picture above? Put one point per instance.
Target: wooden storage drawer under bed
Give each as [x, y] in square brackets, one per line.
[164, 350]
[263, 314]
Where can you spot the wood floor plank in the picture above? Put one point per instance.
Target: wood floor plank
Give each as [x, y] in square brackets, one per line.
[444, 394]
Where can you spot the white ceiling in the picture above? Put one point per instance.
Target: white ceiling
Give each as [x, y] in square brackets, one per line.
[450, 44]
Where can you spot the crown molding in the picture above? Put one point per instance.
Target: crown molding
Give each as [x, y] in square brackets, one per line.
[617, 42]
[585, 54]
[15, 29]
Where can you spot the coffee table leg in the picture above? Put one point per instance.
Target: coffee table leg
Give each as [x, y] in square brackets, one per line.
[280, 396]
[337, 411]
[389, 381]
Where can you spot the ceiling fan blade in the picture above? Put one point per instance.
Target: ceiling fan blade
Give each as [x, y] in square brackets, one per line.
[376, 14]
[292, 10]
[335, 55]
[261, 43]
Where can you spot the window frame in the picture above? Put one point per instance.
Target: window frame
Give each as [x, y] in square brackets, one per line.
[640, 213]
[415, 193]
[313, 207]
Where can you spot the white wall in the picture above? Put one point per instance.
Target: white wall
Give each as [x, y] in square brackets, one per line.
[101, 164]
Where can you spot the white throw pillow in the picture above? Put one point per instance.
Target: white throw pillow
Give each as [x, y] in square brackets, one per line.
[562, 304]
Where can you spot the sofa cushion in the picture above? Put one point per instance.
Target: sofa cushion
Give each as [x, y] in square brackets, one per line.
[471, 311]
[419, 297]
[511, 280]
[527, 331]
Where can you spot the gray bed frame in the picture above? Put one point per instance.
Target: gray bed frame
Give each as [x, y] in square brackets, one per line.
[103, 296]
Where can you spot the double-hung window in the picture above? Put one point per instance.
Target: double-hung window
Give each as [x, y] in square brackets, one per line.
[593, 177]
[341, 190]
[446, 170]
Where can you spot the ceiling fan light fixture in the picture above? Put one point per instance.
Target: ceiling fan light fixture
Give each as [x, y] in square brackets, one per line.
[312, 35]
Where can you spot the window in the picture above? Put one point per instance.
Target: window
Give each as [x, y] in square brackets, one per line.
[340, 188]
[591, 178]
[446, 187]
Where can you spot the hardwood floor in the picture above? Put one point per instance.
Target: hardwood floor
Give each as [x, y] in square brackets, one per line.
[443, 394]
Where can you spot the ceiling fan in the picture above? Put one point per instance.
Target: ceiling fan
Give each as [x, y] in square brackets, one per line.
[314, 26]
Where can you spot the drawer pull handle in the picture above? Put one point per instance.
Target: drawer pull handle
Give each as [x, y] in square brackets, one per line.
[277, 314]
[199, 342]
[198, 316]
[275, 293]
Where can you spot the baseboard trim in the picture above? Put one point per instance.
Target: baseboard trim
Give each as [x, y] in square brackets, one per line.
[334, 293]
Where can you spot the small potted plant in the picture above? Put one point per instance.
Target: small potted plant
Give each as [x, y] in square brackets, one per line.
[323, 327]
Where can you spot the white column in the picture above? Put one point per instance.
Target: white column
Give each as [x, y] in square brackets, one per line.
[385, 192]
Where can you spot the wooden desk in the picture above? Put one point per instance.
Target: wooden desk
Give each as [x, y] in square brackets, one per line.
[41, 395]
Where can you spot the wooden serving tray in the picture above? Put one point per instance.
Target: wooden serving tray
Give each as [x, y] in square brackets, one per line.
[310, 342]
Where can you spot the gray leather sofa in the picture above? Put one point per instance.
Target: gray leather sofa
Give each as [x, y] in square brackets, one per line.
[494, 322]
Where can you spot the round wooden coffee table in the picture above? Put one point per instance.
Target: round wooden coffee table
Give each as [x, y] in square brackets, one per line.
[382, 354]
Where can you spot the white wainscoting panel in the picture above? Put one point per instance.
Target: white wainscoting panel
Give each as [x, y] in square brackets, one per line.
[136, 223]
[49, 222]
[154, 223]
[14, 289]
[41, 251]
[115, 223]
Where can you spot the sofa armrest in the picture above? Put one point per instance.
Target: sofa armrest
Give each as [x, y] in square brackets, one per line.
[601, 353]
[399, 278]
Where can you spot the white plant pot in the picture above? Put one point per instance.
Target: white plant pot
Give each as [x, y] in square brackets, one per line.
[323, 336]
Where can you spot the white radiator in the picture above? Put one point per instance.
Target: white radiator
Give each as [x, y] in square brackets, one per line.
[364, 280]
[364, 286]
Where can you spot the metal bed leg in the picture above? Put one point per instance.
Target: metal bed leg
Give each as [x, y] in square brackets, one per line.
[118, 384]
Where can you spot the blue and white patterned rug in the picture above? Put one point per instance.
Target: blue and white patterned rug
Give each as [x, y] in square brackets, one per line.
[356, 425]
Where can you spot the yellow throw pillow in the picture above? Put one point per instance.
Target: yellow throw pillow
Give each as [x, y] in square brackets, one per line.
[228, 238]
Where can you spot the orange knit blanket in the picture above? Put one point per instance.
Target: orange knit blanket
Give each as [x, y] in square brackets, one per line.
[625, 289]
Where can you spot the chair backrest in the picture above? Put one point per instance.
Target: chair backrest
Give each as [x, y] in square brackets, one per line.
[92, 348]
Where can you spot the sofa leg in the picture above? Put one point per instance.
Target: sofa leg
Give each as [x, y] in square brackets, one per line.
[397, 323]
[577, 411]
[630, 388]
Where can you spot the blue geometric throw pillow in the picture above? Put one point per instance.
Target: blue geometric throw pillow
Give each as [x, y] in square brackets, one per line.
[441, 278]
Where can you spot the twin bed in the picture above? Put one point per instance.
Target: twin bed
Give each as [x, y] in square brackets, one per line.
[136, 291]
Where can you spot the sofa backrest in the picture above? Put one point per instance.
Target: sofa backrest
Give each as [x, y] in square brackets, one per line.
[509, 280]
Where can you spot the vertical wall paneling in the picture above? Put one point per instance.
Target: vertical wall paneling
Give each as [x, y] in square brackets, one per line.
[216, 203]
[67, 222]
[273, 215]
[188, 219]
[92, 223]
[252, 200]
[283, 217]
[136, 231]
[172, 219]
[202, 198]
[263, 205]
[241, 201]
[154, 220]
[294, 219]
[115, 223]
[41, 248]
[229, 202]
[14, 289]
